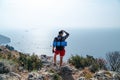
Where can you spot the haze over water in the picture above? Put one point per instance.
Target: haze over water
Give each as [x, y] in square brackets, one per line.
[94, 42]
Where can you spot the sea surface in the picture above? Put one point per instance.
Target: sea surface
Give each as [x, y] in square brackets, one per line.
[94, 42]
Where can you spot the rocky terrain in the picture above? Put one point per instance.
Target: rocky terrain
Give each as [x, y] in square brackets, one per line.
[11, 71]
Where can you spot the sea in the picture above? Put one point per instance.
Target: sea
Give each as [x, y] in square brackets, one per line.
[94, 42]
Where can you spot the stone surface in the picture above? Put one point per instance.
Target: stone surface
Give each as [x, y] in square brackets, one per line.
[3, 68]
[107, 75]
[81, 78]
[35, 76]
[66, 73]
[8, 77]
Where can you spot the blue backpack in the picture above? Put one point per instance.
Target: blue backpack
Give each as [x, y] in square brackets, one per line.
[63, 43]
[59, 42]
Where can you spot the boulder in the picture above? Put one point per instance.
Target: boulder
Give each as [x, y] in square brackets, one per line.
[81, 78]
[35, 76]
[107, 75]
[1, 78]
[66, 70]
[15, 74]
[8, 77]
[115, 75]
[3, 68]
[66, 73]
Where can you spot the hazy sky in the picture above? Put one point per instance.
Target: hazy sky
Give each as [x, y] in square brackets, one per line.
[59, 13]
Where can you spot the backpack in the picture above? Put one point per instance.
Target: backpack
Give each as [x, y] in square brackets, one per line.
[59, 42]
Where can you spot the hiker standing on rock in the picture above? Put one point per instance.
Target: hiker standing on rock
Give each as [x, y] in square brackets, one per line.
[59, 45]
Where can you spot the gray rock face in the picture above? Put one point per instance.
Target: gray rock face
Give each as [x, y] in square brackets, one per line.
[3, 68]
[107, 75]
[9, 77]
[1, 78]
[66, 70]
[35, 76]
[15, 74]
[66, 73]
[81, 78]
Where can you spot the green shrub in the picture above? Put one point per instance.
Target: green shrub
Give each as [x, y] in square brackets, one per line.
[77, 61]
[88, 61]
[94, 67]
[30, 62]
[9, 47]
[0, 49]
[56, 77]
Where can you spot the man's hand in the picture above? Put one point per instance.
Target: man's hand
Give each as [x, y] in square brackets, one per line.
[53, 51]
[63, 30]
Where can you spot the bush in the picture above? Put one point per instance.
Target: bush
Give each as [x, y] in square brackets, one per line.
[0, 49]
[9, 47]
[30, 62]
[113, 59]
[77, 61]
[7, 66]
[102, 63]
[56, 77]
[88, 61]
[94, 67]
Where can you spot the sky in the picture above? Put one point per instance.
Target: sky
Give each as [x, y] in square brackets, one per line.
[49, 14]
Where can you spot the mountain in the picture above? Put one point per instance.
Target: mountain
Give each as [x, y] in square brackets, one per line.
[4, 39]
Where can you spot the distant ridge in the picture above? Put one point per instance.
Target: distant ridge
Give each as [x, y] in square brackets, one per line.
[4, 39]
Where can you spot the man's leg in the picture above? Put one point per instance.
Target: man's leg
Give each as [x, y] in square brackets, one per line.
[61, 60]
[55, 58]
[62, 53]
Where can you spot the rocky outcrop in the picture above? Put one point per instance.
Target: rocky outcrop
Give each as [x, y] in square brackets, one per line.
[6, 74]
[81, 78]
[10, 76]
[66, 73]
[9, 70]
[35, 76]
[3, 68]
[107, 75]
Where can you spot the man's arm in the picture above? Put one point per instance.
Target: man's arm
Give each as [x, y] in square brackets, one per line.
[53, 48]
[67, 34]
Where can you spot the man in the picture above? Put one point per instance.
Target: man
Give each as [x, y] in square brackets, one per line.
[59, 46]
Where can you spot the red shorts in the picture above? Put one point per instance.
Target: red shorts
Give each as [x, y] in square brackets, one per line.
[61, 52]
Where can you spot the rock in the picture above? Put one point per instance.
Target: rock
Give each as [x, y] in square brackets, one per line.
[66, 70]
[20, 68]
[35, 76]
[81, 78]
[8, 77]
[115, 75]
[15, 74]
[66, 73]
[93, 79]
[107, 75]
[1, 78]
[3, 68]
